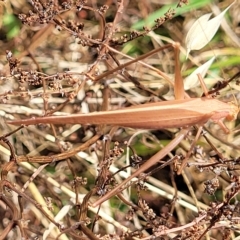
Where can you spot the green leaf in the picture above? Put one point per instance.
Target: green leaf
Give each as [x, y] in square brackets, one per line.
[149, 21]
[11, 25]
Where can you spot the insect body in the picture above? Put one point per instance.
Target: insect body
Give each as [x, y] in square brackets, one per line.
[169, 114]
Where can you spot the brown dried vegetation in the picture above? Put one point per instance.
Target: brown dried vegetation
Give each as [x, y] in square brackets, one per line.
[70, 57]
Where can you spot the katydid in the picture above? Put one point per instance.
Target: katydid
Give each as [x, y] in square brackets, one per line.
[159, 115]
[175, 113]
